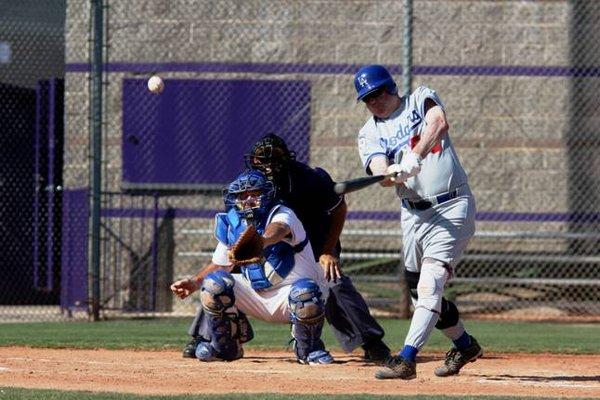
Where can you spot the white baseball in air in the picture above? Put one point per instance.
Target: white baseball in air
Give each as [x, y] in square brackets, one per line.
[156, 84]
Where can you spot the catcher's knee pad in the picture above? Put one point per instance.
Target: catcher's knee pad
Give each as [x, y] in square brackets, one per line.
[431, 287]
[307, 313]
[305, 301]
[448, 316]
[216, 293]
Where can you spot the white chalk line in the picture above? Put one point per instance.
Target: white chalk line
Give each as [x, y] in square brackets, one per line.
[536, 383]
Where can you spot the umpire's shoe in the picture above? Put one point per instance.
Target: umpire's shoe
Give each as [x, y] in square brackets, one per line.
[456, 359]
[376, 352]
[189, 351]
[397, 368]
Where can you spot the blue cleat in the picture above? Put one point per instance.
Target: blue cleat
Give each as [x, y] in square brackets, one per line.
[317, 357]
[205, 352]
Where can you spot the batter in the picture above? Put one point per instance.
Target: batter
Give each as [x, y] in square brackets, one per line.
[408, 136]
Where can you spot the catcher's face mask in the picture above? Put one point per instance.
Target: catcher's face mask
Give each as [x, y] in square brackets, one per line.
[249, 200]
[251, 194]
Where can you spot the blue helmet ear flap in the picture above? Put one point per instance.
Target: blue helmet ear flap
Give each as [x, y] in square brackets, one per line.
[372, 77]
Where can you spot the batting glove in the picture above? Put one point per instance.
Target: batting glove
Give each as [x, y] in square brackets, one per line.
[410, 164]
[400, 176]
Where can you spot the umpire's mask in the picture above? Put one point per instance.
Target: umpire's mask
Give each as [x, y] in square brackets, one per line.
[271, 156]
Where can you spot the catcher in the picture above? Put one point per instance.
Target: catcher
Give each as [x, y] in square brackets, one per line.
[262, 266]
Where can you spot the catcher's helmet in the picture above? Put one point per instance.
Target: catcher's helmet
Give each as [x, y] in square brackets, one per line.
[256, 206]
[372, 77]
[269, 155]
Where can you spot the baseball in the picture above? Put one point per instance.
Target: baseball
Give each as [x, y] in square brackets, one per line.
[156, 84]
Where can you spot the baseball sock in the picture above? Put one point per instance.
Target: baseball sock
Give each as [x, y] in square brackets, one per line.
[463, 341]
[423, 322]
[409, 353]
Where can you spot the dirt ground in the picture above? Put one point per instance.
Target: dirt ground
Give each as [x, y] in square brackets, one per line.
[165, 373]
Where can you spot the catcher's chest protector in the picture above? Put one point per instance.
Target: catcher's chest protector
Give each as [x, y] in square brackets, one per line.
[278, 258]
[228, 227]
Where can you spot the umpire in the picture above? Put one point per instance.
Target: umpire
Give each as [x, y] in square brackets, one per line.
[309, 192]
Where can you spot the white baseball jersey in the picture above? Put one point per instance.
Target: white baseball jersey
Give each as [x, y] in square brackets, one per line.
[440, 171]
[272, 303]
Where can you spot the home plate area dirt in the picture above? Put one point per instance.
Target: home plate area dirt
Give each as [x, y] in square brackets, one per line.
[166, 372]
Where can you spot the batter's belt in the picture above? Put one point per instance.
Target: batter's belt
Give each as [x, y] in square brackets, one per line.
[421, 205]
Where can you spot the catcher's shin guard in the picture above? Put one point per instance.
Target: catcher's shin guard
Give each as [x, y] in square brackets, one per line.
[228, 327]
[225, 340]
[307, 316]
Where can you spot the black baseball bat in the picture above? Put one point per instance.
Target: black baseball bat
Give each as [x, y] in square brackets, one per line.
[352, 185]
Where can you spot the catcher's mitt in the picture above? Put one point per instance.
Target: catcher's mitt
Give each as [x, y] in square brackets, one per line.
[248, 249]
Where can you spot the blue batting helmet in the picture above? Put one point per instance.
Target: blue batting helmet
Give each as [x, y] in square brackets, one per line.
[256, 207]
[372, 77]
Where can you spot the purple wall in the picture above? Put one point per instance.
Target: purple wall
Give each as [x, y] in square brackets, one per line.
[74, 275]
[196, 132]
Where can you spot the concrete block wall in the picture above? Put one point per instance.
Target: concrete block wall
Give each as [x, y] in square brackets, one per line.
[509, 124]
[507, 127]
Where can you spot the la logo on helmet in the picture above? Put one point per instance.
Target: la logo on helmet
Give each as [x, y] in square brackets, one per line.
[362, 80]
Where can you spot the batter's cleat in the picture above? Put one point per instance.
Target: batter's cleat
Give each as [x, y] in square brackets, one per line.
[398, 368]
[376, 352]
[189, 351]
[317, 357]
[456, 359]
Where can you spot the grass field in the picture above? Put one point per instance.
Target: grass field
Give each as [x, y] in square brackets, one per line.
[24, 394]
[495, 336]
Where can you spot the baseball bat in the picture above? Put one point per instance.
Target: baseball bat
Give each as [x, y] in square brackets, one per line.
[352, 185]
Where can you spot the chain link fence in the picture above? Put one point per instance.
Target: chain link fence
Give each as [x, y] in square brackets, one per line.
[518, 80]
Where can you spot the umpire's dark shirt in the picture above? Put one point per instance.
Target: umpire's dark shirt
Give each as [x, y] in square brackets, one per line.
[309, 193]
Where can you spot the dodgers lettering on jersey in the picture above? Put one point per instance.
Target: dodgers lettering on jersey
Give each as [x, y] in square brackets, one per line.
[440, 171]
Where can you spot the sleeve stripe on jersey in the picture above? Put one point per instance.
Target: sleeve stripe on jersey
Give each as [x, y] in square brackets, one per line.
[368, 161]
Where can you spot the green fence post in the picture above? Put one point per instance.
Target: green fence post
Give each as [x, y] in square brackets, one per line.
[96, 58]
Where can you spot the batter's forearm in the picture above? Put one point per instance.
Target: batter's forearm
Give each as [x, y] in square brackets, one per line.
[378, 166]
[436, 127]
[275, 232]
[338, 218]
